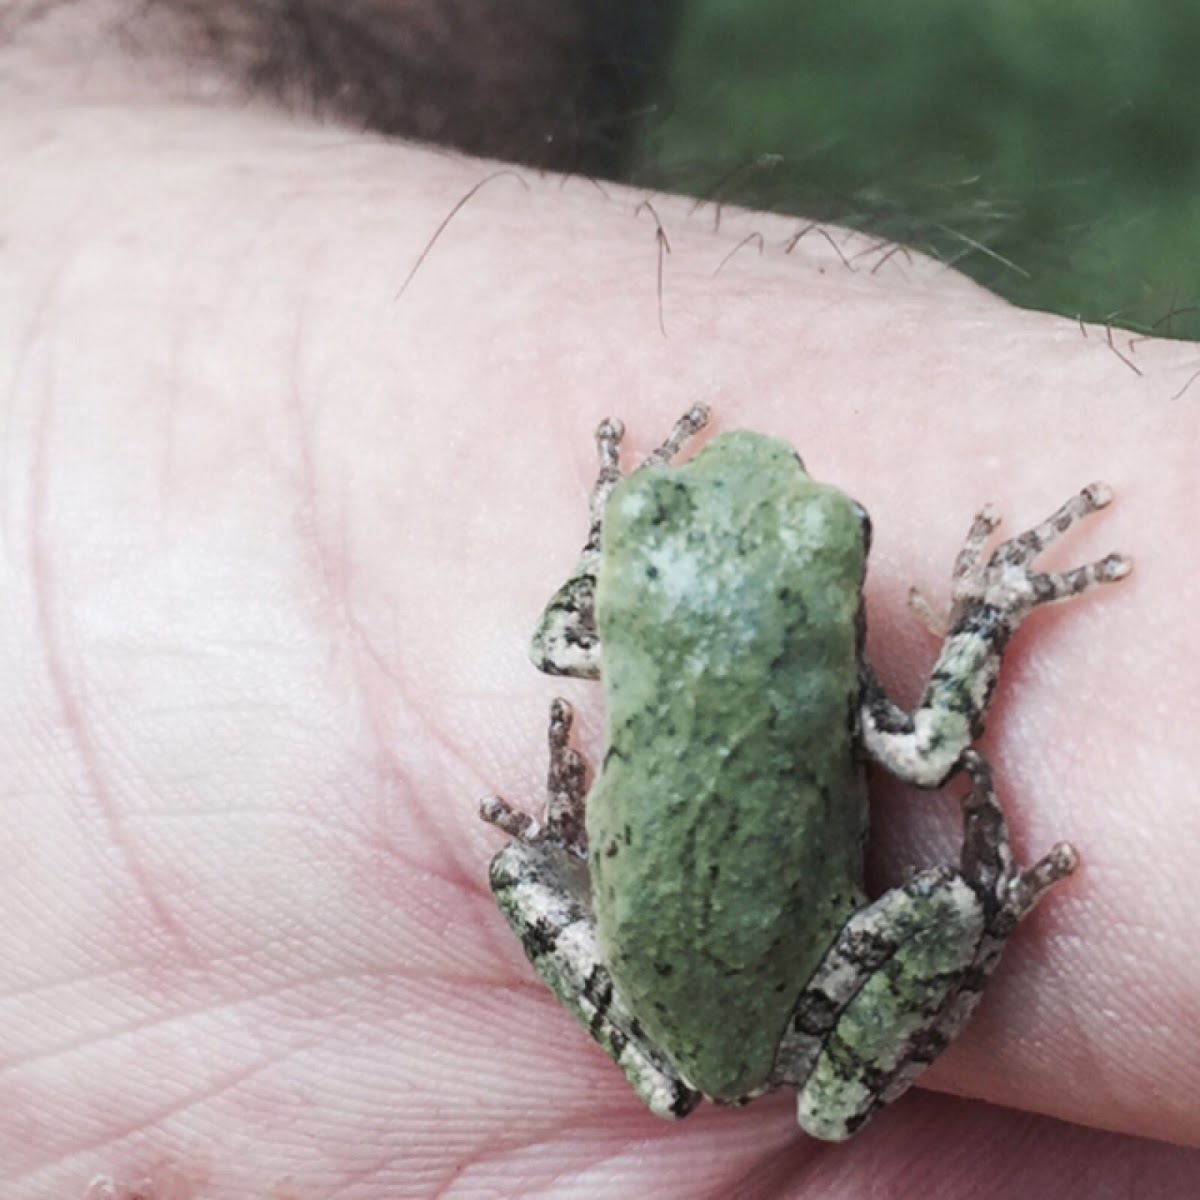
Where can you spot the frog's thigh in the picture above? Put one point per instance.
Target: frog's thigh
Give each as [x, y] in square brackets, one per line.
[542, 889]
[901, 962]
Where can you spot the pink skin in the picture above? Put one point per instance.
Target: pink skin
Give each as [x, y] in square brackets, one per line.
[273, 544]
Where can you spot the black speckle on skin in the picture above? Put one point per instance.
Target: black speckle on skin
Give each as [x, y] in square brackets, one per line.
[598, 988]
[815, 1014]
[865, 528]
[852, 717]
[683, 1100]
[860, 628]
[872, 1077]
[885, 716]
[973, 980]
[855, 1123]
[925, 1045]
[611, 753]
[664, 969]
[500, 877]
[540, 938]
[866, 949]
[987, 622]
[977, 724]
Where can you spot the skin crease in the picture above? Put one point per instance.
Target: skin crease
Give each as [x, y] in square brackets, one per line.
[273, 541]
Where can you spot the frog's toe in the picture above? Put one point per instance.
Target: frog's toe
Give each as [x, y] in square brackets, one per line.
[517, 824]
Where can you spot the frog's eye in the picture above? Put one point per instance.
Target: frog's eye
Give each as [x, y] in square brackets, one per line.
[864, 521]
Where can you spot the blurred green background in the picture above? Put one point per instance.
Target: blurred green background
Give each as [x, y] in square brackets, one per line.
[1051, 150]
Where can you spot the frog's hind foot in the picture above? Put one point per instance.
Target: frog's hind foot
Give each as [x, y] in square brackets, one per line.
[563, 810]
[1009, 891]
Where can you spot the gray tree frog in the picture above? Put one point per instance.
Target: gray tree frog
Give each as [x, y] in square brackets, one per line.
[701, 910]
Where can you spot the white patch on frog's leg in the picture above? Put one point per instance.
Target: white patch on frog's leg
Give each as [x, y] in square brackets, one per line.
[885, 981]
[542, 889]
[991, 597]
[565, 641]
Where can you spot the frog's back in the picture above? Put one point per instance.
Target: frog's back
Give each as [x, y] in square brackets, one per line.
[726, 826]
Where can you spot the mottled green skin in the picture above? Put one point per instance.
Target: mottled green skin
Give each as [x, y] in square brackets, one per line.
[937, 934]
[727, 823]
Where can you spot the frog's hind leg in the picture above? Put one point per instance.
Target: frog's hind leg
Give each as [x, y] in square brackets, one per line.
[540, 881]
[907, 972]
[991, 597]
[864, 1015]
[565, 640]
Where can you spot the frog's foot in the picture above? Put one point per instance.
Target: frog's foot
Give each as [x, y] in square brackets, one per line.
[681, 433]
[1006, 581]
[907, 972]
[565, 641]
[609, 434]
[992, 595]
[938, 623]
[563, 810]
[1009, 892]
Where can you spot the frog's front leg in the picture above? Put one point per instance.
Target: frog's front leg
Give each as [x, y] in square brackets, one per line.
[540, 881]
[991, 597]
[907, 972]
[565, 641]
